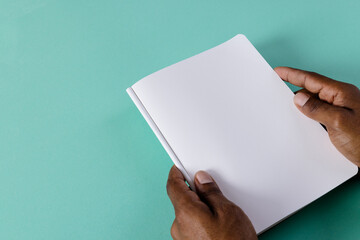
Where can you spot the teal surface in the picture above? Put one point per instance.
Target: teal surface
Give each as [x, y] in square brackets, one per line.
[78, 161]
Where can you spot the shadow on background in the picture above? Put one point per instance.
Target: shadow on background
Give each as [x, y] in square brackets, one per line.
[324, 218]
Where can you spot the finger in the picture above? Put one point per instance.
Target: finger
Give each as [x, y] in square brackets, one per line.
[319, 110]
[209, 191]
[311, 95]
[179, 193]
[174, 231]
[329, 90]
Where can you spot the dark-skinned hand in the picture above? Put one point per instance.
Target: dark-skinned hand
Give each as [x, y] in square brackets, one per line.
[332, 103]
[206, 214]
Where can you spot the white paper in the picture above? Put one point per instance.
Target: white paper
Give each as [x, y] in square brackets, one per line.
[227, 112]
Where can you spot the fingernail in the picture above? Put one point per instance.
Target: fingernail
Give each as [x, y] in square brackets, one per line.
[301, 98]
[203, 177]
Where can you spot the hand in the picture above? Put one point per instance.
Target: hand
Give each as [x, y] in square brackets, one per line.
[207, 214]
[334, 104]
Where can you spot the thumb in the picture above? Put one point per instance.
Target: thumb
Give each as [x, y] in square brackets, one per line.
[208, 191]
[317, 109]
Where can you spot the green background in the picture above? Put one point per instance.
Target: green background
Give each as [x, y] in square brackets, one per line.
[78, 161]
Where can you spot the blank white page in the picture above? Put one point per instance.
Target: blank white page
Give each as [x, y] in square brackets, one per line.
[227, 112]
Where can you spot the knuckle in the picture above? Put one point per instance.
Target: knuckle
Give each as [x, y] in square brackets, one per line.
[314, 106]
[352, 87]
[353, 91]
[169, 185]
[212, 191]
[184, 209]
[311, 73]
[339, 120]
[344, 92]
[181, 215]
[173, 230]
[183, 203]
[228, 209]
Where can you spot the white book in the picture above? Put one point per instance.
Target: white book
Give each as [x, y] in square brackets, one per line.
[227, 112]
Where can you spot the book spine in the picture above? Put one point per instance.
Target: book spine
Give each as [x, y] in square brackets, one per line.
[159, 135]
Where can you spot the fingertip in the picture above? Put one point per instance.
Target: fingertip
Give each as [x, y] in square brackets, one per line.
[301, 98]
[177, 190]
[175, 172]
[203, 177]
[282, 72]
[204, 182]
[280, 68]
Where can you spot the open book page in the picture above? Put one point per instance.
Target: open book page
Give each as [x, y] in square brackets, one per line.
[227, 112]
